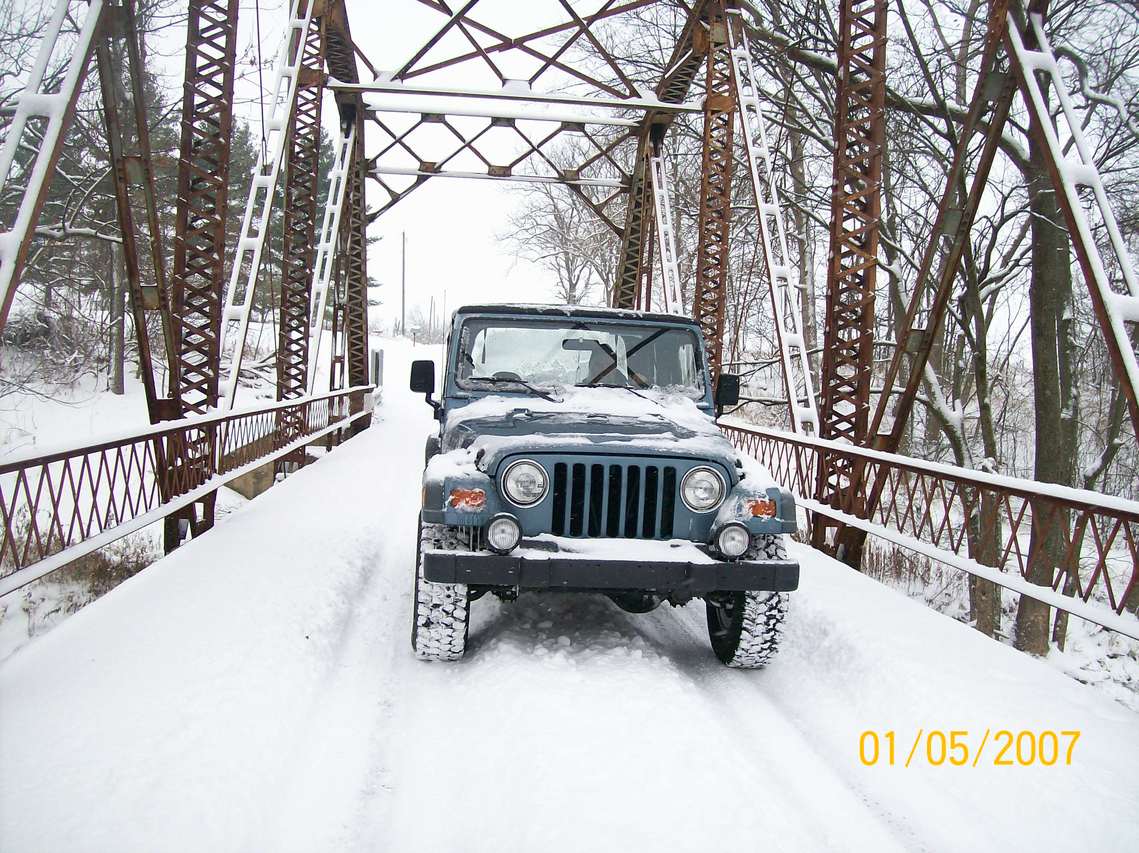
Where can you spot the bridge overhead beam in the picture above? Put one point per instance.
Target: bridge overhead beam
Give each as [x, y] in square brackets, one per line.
[548, 117]
[856, 204]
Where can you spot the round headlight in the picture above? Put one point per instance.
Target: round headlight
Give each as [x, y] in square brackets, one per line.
[702, 489]
[524, 483]
[733, 540]
[503, 533]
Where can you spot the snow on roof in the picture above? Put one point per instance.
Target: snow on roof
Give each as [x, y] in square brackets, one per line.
[576, 311]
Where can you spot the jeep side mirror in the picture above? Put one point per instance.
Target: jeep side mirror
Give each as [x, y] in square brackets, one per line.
[727, 391]
[423, 380]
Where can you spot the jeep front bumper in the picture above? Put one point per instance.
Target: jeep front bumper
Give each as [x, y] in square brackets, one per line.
[553, 563]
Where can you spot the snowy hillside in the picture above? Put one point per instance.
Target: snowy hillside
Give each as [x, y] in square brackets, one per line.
[256, 691]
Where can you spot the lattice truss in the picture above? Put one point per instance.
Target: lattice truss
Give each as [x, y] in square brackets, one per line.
[501, 90]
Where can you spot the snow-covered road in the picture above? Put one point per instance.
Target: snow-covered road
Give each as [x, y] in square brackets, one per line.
[256, 691]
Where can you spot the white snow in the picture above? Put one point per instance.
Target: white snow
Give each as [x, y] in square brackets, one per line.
[256, 691]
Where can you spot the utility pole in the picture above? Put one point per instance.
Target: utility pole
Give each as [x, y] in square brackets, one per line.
[403, 288]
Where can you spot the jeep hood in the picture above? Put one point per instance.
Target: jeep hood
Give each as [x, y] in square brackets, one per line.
[586, 421]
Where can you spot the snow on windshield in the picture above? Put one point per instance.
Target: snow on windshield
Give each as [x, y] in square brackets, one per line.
[499, 351]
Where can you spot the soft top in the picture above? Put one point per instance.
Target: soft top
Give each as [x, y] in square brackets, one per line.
[576, 311]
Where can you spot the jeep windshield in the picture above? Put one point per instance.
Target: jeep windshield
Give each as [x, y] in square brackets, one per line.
[522, 354]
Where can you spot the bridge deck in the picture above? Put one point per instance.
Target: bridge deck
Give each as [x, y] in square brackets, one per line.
[256, 691]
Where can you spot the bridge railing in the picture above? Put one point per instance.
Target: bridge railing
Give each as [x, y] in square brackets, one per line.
[57, 506]
[1003, 529]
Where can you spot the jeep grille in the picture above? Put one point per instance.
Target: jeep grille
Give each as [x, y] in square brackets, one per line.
[607, 500]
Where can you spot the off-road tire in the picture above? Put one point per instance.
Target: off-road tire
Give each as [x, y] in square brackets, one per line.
[745, 628]
[441, 610]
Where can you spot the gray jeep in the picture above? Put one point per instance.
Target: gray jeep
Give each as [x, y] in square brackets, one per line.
[577, 451]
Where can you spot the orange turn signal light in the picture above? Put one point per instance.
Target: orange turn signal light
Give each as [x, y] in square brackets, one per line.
[471, 500]
[762, 508]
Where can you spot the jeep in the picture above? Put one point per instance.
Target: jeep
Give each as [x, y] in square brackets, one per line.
[577, 451]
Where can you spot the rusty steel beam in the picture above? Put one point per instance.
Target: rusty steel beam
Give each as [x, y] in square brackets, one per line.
[199, 242]
[638, 215]
[948, 240]
[714, 225]
[848, 348]
[299, 214]
[925, 313]
[203, 183]
[128, 139]
[356, 271]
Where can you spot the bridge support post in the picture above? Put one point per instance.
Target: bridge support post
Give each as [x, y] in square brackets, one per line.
[199, 231]
[848, 349]
[356, 272]
[714, 226]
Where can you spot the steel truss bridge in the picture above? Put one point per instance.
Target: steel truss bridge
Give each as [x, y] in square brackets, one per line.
[479, 88]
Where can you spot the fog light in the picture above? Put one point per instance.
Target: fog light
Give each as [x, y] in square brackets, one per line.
[503, 534]
[733, 540]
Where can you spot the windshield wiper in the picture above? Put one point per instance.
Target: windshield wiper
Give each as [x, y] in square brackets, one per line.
[502, 380]
[631, 390]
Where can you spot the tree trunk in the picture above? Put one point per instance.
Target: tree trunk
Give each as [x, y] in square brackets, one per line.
[1049, 301]
[985, 525]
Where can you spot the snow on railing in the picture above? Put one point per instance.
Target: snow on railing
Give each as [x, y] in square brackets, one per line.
[989, 525]
[59, 506]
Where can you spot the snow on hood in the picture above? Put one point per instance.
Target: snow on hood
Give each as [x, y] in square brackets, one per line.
[596, 415]
[650, 421]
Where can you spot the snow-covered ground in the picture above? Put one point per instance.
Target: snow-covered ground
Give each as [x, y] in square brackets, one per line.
[256, 691]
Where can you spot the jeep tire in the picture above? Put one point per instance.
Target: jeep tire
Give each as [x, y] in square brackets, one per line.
[440, 611]
[745, 627]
